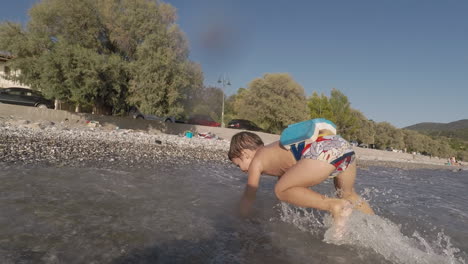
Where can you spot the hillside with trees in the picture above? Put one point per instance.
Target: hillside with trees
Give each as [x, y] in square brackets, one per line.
[455, 130]
[265, 103]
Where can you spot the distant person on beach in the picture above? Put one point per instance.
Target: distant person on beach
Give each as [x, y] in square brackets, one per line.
[453, 161]
[248, 152]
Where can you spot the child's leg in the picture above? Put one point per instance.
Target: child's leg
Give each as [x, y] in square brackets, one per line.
[344, 183]
[292, 187]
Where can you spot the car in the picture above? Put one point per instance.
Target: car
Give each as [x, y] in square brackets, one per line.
[203, 120]
[363, 145]
[244, 124]
[135, 113]
[24, 96]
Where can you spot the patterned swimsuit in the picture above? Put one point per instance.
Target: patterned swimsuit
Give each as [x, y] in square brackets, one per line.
[332, 149]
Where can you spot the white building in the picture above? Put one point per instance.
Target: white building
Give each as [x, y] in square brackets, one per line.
[5, 71]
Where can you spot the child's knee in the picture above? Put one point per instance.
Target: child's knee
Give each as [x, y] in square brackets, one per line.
[279, 192]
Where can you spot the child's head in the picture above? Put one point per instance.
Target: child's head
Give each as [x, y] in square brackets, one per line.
[242, 142]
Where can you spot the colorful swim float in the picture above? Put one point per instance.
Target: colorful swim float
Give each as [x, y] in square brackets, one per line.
[296, 136]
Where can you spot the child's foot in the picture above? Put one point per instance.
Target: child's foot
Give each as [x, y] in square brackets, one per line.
[341, 212]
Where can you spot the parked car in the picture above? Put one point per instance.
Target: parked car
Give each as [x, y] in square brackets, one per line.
[203, 120]
[135, 113]
[363, 145]
[24, 96]
[244, 124]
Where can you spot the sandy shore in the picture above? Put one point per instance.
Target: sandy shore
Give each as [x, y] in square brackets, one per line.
[79, 143]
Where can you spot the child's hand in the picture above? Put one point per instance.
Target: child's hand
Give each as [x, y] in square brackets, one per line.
[247, 200]
[245, 208]
[244, 212]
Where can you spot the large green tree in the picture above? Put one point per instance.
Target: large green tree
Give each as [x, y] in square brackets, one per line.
[106, 53]
[413, 140]
[366, 133]
[319, 106]
[384, 135]
[343, 115]
[273, 101]
[337, 109]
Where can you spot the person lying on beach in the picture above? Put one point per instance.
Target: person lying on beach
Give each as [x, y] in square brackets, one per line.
[329, 155]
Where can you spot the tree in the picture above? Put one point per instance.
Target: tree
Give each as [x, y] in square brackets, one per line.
[235, 101]
[343, 116]
[366, 132]
[414, 141]
[384, 134]
[208, 102]
[319, 107]
[76, 74]
[163, 76]
[443, 148]
[273, 101]
[106, 53]
[397, 139]
[462, 155]
[231, 104]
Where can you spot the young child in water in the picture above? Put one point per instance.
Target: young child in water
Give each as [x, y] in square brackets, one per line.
[329, 155]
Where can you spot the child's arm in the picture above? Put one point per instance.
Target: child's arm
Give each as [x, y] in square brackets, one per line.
[250, 189]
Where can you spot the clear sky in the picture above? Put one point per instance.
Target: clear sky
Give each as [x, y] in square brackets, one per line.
[400, 61]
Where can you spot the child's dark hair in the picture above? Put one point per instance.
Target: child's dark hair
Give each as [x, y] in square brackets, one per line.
[241, 141]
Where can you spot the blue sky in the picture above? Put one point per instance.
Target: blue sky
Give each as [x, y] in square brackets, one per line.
[400, 61]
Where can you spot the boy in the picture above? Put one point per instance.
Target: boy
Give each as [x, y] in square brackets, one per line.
[328, 155]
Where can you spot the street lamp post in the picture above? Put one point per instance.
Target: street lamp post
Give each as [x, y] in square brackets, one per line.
[224, 81]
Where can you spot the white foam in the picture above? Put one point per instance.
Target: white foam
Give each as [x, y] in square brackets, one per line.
[376, 233]
[386, 239]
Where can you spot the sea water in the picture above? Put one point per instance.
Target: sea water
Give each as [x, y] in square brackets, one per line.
[186, 212]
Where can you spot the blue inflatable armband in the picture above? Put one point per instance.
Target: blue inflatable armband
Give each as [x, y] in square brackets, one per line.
[297, 135]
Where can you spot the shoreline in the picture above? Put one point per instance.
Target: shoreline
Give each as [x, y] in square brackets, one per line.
[82, 144]
[79, 146]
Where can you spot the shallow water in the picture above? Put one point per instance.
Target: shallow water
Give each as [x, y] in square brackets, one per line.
[186, 214]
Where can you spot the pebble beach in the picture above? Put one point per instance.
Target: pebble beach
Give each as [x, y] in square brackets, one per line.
[67, 143]
[61, 144]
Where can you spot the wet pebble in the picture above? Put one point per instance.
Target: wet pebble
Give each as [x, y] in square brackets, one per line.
[76, 144]
[58, 144]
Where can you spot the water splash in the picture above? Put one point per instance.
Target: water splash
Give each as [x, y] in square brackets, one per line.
[375, 233]
[386, 238]
[304, 219]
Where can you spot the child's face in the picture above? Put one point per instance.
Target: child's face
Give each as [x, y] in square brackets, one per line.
[243, 162]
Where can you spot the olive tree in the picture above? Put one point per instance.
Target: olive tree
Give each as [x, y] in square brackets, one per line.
[273, 101]
[105, 53]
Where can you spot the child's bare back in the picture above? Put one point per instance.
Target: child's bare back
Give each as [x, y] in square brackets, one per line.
[274, 159]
